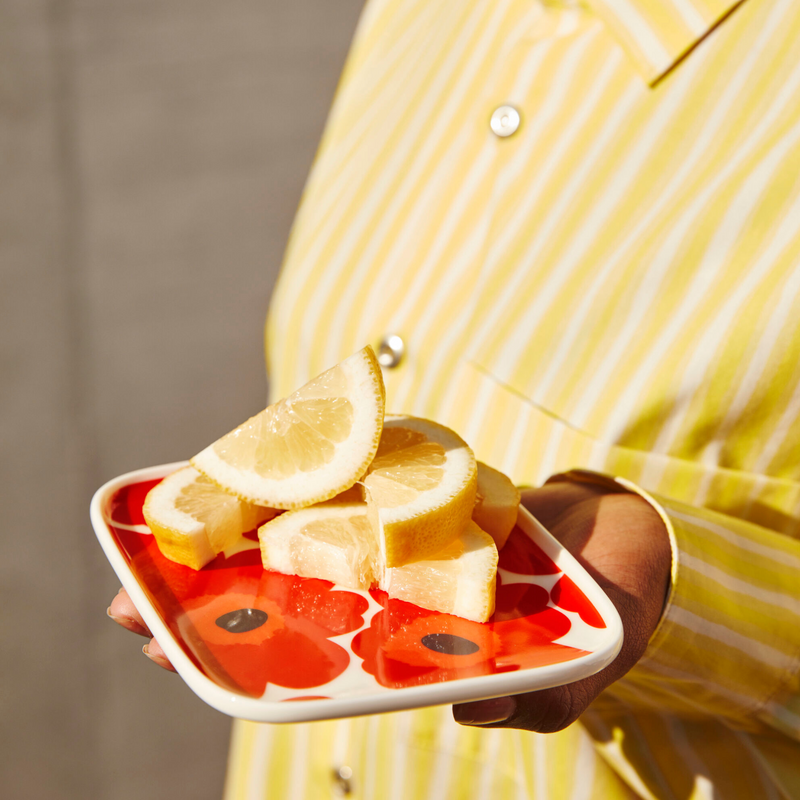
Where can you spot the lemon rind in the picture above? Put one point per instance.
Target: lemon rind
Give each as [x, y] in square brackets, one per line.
[437, 516]
[364, 375]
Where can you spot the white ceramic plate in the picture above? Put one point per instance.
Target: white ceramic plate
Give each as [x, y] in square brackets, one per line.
[274, 648]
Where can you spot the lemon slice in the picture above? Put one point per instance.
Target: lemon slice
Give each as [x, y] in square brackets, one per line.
[193, 519]
[420, 489]
[334, 541]
[497, 504]
[459, 580]
[307, 447]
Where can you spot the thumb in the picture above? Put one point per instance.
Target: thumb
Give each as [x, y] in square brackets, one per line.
[545, 711]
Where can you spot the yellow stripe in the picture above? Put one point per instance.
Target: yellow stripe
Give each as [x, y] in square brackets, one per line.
[613, 286]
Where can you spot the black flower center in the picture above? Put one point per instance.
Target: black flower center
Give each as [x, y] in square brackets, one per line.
[242, 620]
[449, 644]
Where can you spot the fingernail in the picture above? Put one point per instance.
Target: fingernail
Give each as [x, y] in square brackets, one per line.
[485, 712]
[120, 620]
[160, 660]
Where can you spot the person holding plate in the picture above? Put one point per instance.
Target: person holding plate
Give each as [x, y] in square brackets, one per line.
[572, 231]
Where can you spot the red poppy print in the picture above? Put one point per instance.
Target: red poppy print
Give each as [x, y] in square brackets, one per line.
[408, 646]
[243, 626]
[568, 596]
[523, 556]
[247, 628]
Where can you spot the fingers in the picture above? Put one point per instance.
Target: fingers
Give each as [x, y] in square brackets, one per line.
[623, 543]
[543, 712]
[154, 652]
[124, 613]
[550, 501]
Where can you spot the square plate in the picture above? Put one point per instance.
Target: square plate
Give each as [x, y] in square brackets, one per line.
[268, 647]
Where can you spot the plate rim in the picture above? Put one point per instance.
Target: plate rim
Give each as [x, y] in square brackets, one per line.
[384, 699]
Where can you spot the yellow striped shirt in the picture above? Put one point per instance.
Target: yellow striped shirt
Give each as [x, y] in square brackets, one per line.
[613, 286]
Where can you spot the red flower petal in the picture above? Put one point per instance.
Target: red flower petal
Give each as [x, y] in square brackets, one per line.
[523, 556]
[567, 595]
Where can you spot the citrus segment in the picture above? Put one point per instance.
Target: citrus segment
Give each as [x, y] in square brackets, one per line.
[458, 580]
[193, 520]
[496, 505]
[333, 541]
[420, 489]
[309, 446]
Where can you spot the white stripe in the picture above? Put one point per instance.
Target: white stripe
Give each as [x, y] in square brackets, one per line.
[515, 461]
[581, 241]
[416, 282]
[396, 268]
[641, 33]
[298, 770]
[703, 787]
[341, 742]
[773, 327]
[703, 282]
[584, 769]
[650, 284]
[337, 179]
[740, 703]
[479, 405]
[370, 764]
[440, 100]
[781, 600]
[753, 649]
[258, 761]
[521, 783]
[781, 432]
[393, 164]
[492, 741]
[691, 16]
[787, 718]
[725, 240]
[409, 392]
[541, 773]
[702, 490]
[538, 126]
[446, 745]
[452, 344]
[123, 527]
[780, 556]
[611, 747]
[542, 301]
[464, 197]
[548, 464]
[628, 172]
[637, 734]
[400, 728]
[759, 483]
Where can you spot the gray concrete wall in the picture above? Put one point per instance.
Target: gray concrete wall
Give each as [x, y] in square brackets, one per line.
[152, 154]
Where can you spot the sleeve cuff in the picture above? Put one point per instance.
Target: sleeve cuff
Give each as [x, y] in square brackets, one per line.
[728, 642]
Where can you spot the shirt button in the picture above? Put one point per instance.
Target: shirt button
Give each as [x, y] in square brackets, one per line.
[391, 351]
[505, 121]
[343, 780]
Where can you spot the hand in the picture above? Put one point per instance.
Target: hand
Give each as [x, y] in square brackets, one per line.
[622, 542]
[124, 613]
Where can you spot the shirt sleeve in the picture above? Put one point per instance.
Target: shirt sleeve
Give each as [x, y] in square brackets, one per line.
[728, 642]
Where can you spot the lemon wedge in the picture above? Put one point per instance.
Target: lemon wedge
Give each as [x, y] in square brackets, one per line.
[308, 447]
[420, 489]
[334, 541]
[194, 520]
[497, 504]
[459, 580]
